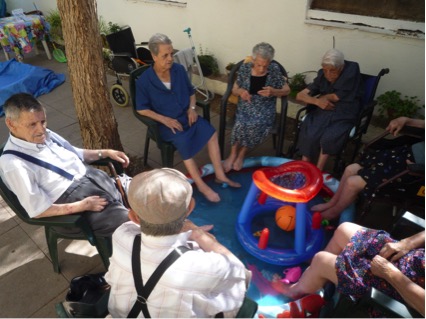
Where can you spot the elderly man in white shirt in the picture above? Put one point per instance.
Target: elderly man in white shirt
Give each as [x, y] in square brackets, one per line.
[205, 280]
[51, 177]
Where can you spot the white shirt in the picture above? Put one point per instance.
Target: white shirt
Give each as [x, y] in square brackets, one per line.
[37, 188]
[198, 284]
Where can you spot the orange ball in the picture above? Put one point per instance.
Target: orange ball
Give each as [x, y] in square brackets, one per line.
[285, 217]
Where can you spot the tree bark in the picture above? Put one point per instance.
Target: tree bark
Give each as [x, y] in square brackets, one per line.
[83, 47]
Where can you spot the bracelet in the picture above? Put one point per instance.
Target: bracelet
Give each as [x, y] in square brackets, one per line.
[100, 154]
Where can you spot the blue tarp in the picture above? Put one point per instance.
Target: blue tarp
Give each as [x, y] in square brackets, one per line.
[18, 77]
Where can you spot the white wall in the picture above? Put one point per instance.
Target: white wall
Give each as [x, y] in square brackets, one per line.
[230, 28]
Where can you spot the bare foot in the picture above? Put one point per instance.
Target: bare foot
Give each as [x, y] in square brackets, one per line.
[211, 195]
[228, 182]
[227, 164]
[238, 164]
[320, 207]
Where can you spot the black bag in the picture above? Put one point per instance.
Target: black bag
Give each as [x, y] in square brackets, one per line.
[87, 297]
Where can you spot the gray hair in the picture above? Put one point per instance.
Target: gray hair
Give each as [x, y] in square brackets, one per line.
[21, 102]
[156, 40]
[263, 50]
[158, 230]
[334, 58]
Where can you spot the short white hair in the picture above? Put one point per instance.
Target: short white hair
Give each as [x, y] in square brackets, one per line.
[333, 57]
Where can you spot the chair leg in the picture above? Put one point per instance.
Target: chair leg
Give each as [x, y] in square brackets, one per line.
[145, 151]
[104, 247]
[52, 244]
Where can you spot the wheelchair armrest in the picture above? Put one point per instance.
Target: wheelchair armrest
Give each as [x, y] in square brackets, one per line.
[377, 298]
[414, 132]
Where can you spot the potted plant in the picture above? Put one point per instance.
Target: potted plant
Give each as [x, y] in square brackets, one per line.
[297, 83]
[54, 19]
[208, 63]
[393, 105]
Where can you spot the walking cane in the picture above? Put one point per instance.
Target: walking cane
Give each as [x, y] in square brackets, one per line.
[119, 185]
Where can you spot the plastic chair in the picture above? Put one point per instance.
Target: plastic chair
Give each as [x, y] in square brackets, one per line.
[153, 132]
[407, 195]
[279, 128]
[102, 244]
[371, 83]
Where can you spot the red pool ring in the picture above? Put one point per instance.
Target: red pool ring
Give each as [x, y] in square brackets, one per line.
[312, 185]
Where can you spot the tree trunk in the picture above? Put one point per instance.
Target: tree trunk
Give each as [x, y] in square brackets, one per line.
[83, 45]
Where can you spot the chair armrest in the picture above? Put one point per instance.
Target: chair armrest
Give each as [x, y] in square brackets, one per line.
[377, 298]
[105, 162]
[416, 169]
[205, 105]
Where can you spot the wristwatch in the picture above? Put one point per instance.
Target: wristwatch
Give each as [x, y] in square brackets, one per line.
[192, 107]
[100, 155]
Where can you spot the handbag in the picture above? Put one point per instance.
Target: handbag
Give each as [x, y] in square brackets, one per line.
[87, 297]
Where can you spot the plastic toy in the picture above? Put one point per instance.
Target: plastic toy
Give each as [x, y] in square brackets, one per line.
[292, 275]
[264, 238]
[285, 217]
[293, 184]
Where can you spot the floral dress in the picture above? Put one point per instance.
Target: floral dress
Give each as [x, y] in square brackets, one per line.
[354, 262]
[254, 120]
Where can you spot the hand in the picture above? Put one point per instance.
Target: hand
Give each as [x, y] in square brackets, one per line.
[396, 125]
[394, 250]
[173, 124]
[94, 203]
[189, 225]
[325, 104]
[119, 157]
[245, 95]
[266, 91]
[192, 116]
[382, 268]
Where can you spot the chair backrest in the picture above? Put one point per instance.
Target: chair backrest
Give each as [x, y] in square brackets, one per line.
[122, 41]
[227, 95]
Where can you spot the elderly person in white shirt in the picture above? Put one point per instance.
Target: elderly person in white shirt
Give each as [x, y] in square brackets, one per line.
[68, 185]
[206, 280]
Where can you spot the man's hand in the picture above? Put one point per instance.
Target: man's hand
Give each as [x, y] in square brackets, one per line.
[93, 203]
[396, 125]
[119, 157]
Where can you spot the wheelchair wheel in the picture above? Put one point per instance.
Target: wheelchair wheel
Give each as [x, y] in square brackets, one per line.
[119, 95]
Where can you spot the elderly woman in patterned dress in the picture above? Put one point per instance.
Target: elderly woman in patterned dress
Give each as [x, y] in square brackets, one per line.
[258, 85]
[357, 258]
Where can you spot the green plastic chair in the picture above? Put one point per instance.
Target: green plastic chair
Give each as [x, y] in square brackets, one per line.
[153, 132]
[102, 244]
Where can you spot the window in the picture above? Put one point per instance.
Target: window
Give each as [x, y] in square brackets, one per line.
[403, 17]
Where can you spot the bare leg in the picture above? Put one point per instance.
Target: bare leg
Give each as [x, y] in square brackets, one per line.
[192, 169]
[322, 160]
[322, 268]
[320, 271]
[239, 161]
[229, 162]
[350, 170]
[306, 159]
[353, 185]
[214, 154]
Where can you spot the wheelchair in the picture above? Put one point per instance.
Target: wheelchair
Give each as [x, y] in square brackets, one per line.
[370, 83]
[126, 56]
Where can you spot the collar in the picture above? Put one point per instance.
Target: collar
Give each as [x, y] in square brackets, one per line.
[177, 240]
[29, 145]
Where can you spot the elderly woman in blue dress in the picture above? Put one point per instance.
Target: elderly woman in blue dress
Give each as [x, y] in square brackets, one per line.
[335, 99]
[259, 83]
[165, 94]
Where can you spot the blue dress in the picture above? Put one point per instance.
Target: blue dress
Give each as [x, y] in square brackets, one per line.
[254, 120]
[152, 94]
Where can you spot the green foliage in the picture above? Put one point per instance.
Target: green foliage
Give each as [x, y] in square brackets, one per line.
[393, 105]
[297, 83]
[54, 19]
[208, 63]
[230, 65]
[107, 28]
